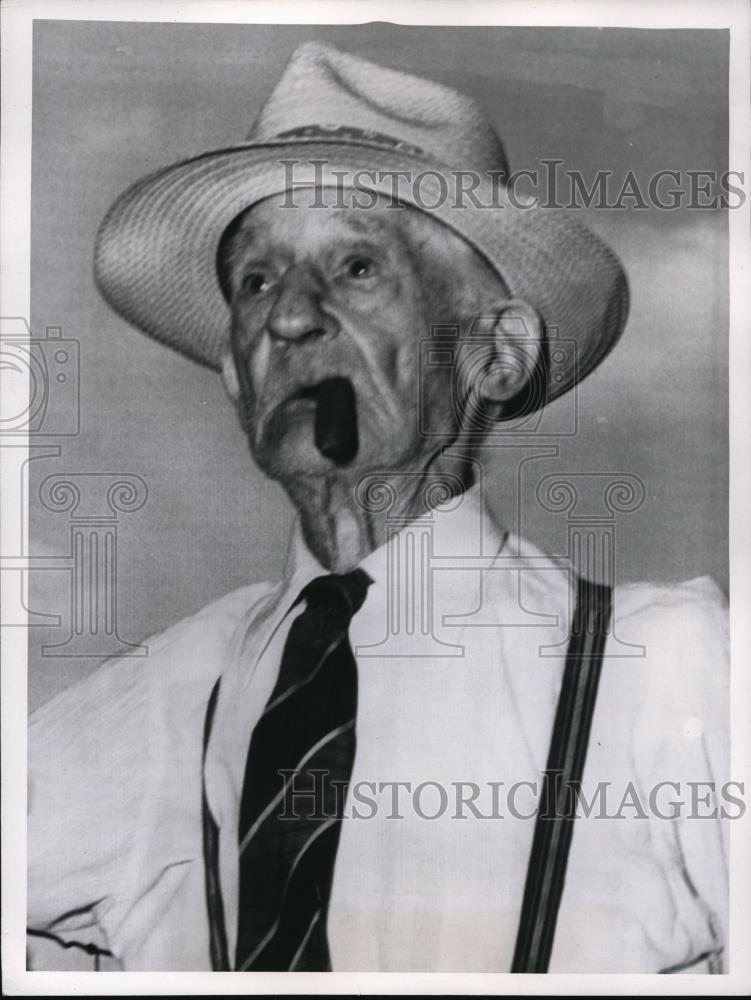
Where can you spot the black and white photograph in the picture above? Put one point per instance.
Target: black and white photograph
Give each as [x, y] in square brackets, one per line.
[375, 485]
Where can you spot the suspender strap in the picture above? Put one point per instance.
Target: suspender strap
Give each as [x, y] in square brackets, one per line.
[214, 904]
[568, 747]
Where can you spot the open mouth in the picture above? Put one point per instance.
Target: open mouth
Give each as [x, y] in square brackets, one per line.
[335, 433]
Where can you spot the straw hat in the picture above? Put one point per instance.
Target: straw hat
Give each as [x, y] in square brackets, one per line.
[331, 116]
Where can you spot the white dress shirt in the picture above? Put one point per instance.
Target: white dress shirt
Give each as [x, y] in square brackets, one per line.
[460, 648]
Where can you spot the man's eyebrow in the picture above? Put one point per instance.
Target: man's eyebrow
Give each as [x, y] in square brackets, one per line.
[247, 233]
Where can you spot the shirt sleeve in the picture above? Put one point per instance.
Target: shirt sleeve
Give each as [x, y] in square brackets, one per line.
[682, 737]
[87, 749]
[111, 761]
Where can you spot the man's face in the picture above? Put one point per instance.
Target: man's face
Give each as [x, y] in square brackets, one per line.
[320, 293]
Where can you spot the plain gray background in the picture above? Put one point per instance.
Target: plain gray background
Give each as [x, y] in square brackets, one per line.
[114, 101]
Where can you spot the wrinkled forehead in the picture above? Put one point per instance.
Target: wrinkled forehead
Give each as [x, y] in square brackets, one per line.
[321, 214]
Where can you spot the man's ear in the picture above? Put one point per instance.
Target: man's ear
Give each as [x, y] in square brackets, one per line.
[229, 376]
[514, 332]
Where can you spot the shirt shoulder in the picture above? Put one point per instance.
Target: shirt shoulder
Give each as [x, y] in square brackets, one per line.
[191, 649]
[196, 646]
[678, 631]
[691, 604]
[666, 674]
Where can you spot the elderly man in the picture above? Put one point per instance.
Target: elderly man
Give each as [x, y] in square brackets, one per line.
[269, 790]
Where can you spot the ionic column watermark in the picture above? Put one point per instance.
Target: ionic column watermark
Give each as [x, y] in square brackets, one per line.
[409, 547]
[591, 501]
[94, 503]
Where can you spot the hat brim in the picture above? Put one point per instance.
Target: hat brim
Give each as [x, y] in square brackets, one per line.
[155, 255]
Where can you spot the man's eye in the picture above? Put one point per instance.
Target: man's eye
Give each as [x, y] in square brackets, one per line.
[255, 283]
[360, 268]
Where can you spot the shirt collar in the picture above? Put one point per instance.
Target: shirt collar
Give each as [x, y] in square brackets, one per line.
[460, 527]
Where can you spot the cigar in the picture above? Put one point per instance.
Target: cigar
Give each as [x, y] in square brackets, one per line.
[335, 430]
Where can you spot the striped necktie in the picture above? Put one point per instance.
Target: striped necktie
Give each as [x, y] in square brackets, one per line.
[290, 821]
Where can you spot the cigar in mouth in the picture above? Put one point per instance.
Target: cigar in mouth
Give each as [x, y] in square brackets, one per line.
[335, 428]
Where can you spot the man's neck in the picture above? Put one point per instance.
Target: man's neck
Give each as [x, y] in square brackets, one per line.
[344, 516]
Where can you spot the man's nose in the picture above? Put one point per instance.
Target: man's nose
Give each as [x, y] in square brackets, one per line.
[297, 313]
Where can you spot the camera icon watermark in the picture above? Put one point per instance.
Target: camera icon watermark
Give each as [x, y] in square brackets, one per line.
[41, 378]
[41, 401]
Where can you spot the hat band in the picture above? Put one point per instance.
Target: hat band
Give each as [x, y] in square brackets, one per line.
[351, 133]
